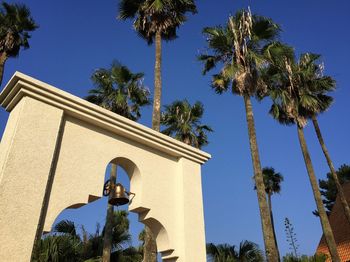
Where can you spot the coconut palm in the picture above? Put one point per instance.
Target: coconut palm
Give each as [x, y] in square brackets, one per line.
[15, 25]
[120, 91]
[247, 252]
[295, 98]
[182, 121]
[236, 47]
[155, 20]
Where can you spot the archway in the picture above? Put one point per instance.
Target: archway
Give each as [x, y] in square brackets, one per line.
[89, 219]
[57, 146]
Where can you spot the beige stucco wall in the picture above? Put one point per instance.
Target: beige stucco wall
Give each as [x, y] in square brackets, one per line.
[26, 159]
[60, 144]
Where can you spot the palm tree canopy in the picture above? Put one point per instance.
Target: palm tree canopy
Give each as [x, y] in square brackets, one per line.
[119, 90]
[61, 248]
[237, 48]
[298, 89]
[15, 25]
[221, 253]
[247, 252]
[152, 16]
[64, 244]
[120, 235]
[183, 122]
[66, 227]
[272, 180]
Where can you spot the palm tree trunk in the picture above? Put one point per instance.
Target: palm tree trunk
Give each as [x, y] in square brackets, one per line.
[157, 83]
[107, 238]
[269, 240]
[150, 246]
[187, 141]
[331, 167]
[327, 230]
[3, 58]
[273, 224]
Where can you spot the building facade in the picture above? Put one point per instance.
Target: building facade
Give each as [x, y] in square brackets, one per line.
[341, 229]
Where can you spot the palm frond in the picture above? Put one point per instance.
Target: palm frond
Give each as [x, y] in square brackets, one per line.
[183, 122]
[67, 227]
[119, 90]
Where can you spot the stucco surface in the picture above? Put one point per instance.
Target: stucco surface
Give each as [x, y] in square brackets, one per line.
[26, 152]
[58, 144]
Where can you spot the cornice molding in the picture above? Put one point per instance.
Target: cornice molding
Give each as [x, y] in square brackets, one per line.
[21, 85]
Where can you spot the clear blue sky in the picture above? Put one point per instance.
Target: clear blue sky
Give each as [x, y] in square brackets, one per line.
[76, 37]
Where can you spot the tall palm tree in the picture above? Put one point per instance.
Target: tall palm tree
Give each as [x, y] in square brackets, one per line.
[294, 100]
[321, 85]
[272, 182]
[120, 91]
[237, 48]
[183, 122]
[155, 20]
[247, 252]
[15, 25]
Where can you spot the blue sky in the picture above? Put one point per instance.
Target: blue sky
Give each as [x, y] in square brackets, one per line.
[77, 37]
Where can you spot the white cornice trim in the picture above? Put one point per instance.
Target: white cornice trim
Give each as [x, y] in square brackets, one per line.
[21, 85]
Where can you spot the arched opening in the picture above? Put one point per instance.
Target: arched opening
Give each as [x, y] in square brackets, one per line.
[89, 219]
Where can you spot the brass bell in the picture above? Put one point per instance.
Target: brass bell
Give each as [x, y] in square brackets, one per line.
[118, 196]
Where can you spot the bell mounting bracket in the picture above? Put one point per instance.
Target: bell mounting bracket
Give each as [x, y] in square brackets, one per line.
[107, 188]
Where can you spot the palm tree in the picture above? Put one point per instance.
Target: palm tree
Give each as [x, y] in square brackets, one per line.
[57, 248]
[62, 245]
[15, 25]
[295, 98]
[156, 20]
[323, 84]
[247, 252]
[120, 91]
[65, 245]
[237, 47]
[182, 122]
[272, 182]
